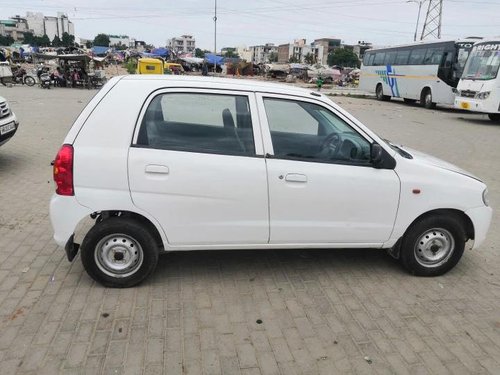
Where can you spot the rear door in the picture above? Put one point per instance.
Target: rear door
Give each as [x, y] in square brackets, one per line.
[197, 166]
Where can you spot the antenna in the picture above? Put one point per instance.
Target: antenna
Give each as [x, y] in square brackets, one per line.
[432, 24]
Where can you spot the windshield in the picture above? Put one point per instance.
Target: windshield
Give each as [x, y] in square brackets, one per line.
[483, 62]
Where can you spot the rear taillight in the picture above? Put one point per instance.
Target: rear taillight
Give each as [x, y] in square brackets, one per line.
[63, 171]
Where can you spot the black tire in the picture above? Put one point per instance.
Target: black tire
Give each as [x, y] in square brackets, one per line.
[433, 245]
[122, 240]
[495, 117]
[379, 93]
[426, 99]
[29, 81]
[409, 101]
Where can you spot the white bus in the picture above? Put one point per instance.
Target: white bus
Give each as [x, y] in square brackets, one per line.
[479, 87]
[423, 71]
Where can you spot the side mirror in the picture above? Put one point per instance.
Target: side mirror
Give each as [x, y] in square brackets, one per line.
[376, 153]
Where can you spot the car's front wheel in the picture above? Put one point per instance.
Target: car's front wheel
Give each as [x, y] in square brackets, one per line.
[433, 245]
[119, 252]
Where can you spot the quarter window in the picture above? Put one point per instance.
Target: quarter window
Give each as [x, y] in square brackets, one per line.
[307, 131]
[198, 122]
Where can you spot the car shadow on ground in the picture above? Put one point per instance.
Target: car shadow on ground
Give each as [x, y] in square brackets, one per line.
[242, 264]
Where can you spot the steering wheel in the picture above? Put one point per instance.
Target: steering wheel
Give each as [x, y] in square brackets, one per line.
[331, 145]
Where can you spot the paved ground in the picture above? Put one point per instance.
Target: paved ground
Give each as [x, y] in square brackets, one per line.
[251, 312]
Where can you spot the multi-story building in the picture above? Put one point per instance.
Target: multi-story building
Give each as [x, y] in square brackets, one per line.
[50, 25]
[14, 27]
[182, 45]
[298, 52]
[117, 40]
[263, 54]
[329, 45]
[360, 48]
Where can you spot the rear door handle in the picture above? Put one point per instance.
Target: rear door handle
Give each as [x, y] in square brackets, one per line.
[296, 177]
[158, 169]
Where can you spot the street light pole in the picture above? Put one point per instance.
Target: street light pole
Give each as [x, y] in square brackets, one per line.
[215, 38]
[420, 3]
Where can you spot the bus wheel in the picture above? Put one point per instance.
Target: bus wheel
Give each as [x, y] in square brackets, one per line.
[409, 101]
[495, 117]
[379, 92]
[426, 99]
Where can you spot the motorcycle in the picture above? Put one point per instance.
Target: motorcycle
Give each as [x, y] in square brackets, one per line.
[44, 77]
[23, 78]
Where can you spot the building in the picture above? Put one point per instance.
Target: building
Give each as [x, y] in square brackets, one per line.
[14, 27]
[50, 25]
[360, 48]
[298, 52]
[120, 40]
[182, 45]
[263, 54]
[329, 45]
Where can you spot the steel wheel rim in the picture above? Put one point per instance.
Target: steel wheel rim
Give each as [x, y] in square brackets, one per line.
[118, 255]
[428, 98]
[434, 247]
[379, 92]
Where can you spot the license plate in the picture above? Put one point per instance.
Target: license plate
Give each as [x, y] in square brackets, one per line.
[464, 105]
[7, 128]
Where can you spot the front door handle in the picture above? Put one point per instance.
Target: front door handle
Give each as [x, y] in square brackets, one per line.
[158, 169]
[296, 177]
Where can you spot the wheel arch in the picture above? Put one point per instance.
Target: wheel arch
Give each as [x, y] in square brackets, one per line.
[151, 227]
[460, 215]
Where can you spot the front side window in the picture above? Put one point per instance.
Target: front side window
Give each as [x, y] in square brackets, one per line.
[307, 131]
[198, 122]
[434, 56]
[402, 57]
[417, 56]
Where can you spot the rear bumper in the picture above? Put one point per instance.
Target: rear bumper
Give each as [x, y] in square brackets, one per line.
[481, 219]
[65, 214]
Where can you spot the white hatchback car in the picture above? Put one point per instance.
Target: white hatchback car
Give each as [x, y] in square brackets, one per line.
[168, 163]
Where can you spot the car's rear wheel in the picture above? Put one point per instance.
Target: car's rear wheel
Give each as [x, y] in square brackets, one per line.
[433, 245]
[495, 117]
[119, 252]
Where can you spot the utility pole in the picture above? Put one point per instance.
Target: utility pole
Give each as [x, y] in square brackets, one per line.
[215, 38]
[432, 24]
[420, 3]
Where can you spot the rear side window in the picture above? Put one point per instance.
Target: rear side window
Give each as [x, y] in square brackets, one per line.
[197, 122]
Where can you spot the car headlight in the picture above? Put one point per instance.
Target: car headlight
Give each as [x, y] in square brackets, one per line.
[485, 197]
[483, 95]
[455, 91]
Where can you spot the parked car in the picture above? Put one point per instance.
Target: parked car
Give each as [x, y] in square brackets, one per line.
[189, 163]
[8, 122]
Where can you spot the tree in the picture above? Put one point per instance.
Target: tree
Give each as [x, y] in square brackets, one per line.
[273, 57]
[101, 40]
[44, 41]
[344, 58]
[67, 40]
[293, 60]
[88, 44]
[29, 38]
[56, 42]
[6, 40]
[310, 58]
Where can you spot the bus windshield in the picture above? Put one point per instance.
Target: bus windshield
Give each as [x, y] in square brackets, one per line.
[483, 62]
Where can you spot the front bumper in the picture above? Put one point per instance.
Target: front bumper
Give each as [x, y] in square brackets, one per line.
[481, 219]
[476, 105]
[6, 121]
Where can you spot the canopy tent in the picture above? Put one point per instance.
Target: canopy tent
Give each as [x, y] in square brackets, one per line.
[192, 60]
[214, 59]
[160, 52]
[100, 50]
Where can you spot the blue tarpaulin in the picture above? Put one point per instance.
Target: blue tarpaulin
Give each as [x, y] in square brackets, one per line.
[100, 50]
[214, 59]
[161, 52]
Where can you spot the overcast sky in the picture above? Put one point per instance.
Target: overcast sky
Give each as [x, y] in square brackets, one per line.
[247, 23]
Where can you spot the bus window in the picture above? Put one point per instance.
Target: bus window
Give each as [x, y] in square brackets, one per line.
[379, 58]
[371, 58]
[402, 57]
[366, 58]
[390, 58]
[417, 56]
[434, 56]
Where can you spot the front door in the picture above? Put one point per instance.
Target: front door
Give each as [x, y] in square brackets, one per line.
[322, 185]
[195, 167]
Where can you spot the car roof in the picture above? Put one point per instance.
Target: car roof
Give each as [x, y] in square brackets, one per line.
[210, 82]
